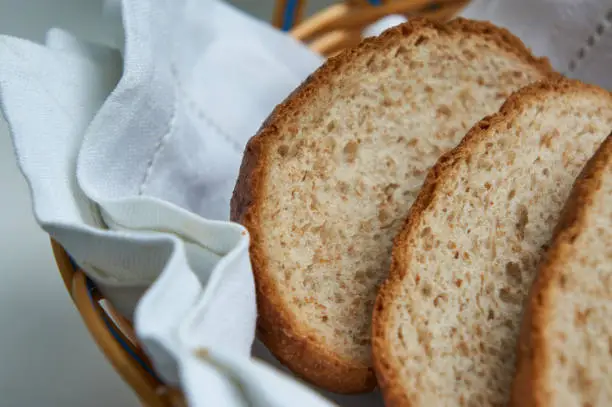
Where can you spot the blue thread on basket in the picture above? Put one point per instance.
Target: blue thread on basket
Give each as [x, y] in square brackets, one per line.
[289, 15]
[376, 2]
[432, 7]
[75, 266]
[90, 288]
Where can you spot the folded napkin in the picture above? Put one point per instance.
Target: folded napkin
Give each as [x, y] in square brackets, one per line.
[575, 34]
[131, 147]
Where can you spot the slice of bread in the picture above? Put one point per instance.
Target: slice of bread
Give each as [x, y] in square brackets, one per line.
[565, 350]
[326, 184]
[447, 319]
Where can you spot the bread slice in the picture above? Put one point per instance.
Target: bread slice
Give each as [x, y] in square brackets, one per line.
[565, 352]
[447, 318]
[327, 182]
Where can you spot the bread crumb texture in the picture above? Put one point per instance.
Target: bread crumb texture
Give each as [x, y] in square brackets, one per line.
[571, 359]
[343, 160]
[580, 334]
[448, 318]
[347, 176]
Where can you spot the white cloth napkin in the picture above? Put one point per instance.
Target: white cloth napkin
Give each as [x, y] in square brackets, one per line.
[575, 34]
[131, 148]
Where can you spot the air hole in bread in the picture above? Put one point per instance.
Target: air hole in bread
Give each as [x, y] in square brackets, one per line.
[401, 51]
[426, 289]
[513, 271]
[522, 220]
[506, 295]
[350, 151]
[421, 40]
[283, 149]
[442, 298]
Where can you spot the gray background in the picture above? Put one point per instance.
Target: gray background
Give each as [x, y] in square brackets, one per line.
[46, 356]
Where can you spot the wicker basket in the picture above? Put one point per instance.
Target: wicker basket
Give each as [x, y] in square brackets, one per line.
[327, 32]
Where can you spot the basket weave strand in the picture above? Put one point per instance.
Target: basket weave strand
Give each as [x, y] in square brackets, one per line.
[340, 25]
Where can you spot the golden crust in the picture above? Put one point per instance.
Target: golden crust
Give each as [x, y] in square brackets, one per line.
[384, 364]
[529, 388]
[279, 330]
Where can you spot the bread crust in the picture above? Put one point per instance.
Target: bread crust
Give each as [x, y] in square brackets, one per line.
[384, 365]
[529, 388]
[277, 326]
